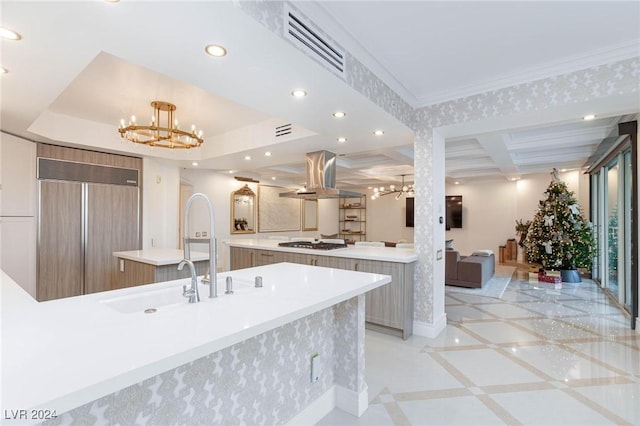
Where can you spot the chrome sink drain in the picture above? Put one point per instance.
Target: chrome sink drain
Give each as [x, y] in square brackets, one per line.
[150, 310]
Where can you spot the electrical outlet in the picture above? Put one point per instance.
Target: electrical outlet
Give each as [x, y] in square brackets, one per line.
[315, 367]
[121, 265]
[197, 234]
[204, 233]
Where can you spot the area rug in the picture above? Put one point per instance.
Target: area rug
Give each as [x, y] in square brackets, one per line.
[495, 287]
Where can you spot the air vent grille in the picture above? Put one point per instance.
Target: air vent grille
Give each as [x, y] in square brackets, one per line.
[316, 46]
[283, 130]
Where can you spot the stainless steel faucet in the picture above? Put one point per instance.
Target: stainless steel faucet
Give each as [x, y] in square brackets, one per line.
[192, 293]
[213, 290]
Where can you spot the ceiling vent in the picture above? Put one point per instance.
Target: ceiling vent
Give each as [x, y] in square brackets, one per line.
[301, 33]
[283, 130]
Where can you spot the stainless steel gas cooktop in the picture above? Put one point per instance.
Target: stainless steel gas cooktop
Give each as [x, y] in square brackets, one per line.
[312, 245]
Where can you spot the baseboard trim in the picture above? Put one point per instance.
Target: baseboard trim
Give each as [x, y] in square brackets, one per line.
[315, 411]
[425, 329]
[352, 402]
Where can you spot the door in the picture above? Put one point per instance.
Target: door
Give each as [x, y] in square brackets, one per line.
[111, 225]
[60, 259]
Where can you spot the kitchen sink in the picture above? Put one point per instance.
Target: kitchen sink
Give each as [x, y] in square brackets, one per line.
[152, 301]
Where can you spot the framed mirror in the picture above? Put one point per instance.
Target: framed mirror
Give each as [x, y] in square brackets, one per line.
[309, 215]
[243, 211]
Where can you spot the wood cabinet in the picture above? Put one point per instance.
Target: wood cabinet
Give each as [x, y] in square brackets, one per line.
[131, 273]
[389, 308]
[352, 218]
[87, 211]
[241, 258]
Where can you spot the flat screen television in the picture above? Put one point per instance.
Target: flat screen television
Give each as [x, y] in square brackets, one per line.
[409, 213]
[454, 211]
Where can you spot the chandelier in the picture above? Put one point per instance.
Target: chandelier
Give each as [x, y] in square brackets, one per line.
[163, 131]
[407, 190]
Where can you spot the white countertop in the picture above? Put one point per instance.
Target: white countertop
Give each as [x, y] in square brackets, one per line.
[159, 256]
[389, 254]
[64, 353]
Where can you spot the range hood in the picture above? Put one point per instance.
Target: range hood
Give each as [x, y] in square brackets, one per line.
[321, 178]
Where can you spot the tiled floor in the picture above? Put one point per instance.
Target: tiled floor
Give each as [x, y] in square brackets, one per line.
[537, 356]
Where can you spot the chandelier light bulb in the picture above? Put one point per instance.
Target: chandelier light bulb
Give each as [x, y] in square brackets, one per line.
[392, 187]
[133, 119]
[398, 195]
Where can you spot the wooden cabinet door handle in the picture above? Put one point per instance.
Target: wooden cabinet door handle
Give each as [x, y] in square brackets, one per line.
[266, 254]
[355, 267]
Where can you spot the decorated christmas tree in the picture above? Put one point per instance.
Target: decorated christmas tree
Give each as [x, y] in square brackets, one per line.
[559, 236]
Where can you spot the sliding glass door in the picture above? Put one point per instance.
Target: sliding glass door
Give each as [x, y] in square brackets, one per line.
[611, 189]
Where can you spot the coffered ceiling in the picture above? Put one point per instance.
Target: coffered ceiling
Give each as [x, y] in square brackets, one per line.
[81, 66]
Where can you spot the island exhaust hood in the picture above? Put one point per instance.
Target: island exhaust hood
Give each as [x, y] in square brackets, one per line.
[321, 178]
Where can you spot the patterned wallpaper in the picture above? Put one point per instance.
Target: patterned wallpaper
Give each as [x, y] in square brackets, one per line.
[588, 84]
[263, 380]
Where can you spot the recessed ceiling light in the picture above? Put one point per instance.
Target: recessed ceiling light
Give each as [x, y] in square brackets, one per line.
[589, 117]
[8, 34]
[112, 1]
[216, 50]
[513, 179]
[342, 140]
[247, 157]
[195, 163]
[563, 170]
[299, 93]
[379, 132]
[339, 114]
[267, 154]
[456, 183]
[231, 171]
[273, 178]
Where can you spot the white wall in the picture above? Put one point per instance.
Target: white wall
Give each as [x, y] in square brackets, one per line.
[386, 220]
[491, 208]
[160, 195]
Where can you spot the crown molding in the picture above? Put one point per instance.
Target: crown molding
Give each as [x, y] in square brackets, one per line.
[602, 56]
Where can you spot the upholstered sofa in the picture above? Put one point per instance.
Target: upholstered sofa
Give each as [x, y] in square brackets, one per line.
[469, 271]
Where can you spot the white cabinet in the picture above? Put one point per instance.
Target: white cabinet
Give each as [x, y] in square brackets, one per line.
[18, 250]
[18, 176]
[18, 210]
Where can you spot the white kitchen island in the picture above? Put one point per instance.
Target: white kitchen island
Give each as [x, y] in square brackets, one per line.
[240, 358]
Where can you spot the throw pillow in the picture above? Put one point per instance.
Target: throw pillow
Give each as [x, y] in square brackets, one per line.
[485, 253]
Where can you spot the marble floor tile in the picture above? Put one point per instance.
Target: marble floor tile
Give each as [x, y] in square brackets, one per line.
[554, 329]
[613, 354]
[623, 400]
[549, 408]
[488, 367]
[460, 313]
[450, 411]
[507, 310]
[537, 356]
[500, 332]
[560, 364]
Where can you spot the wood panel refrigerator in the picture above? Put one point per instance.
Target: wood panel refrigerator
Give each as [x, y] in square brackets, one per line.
[85, 213]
